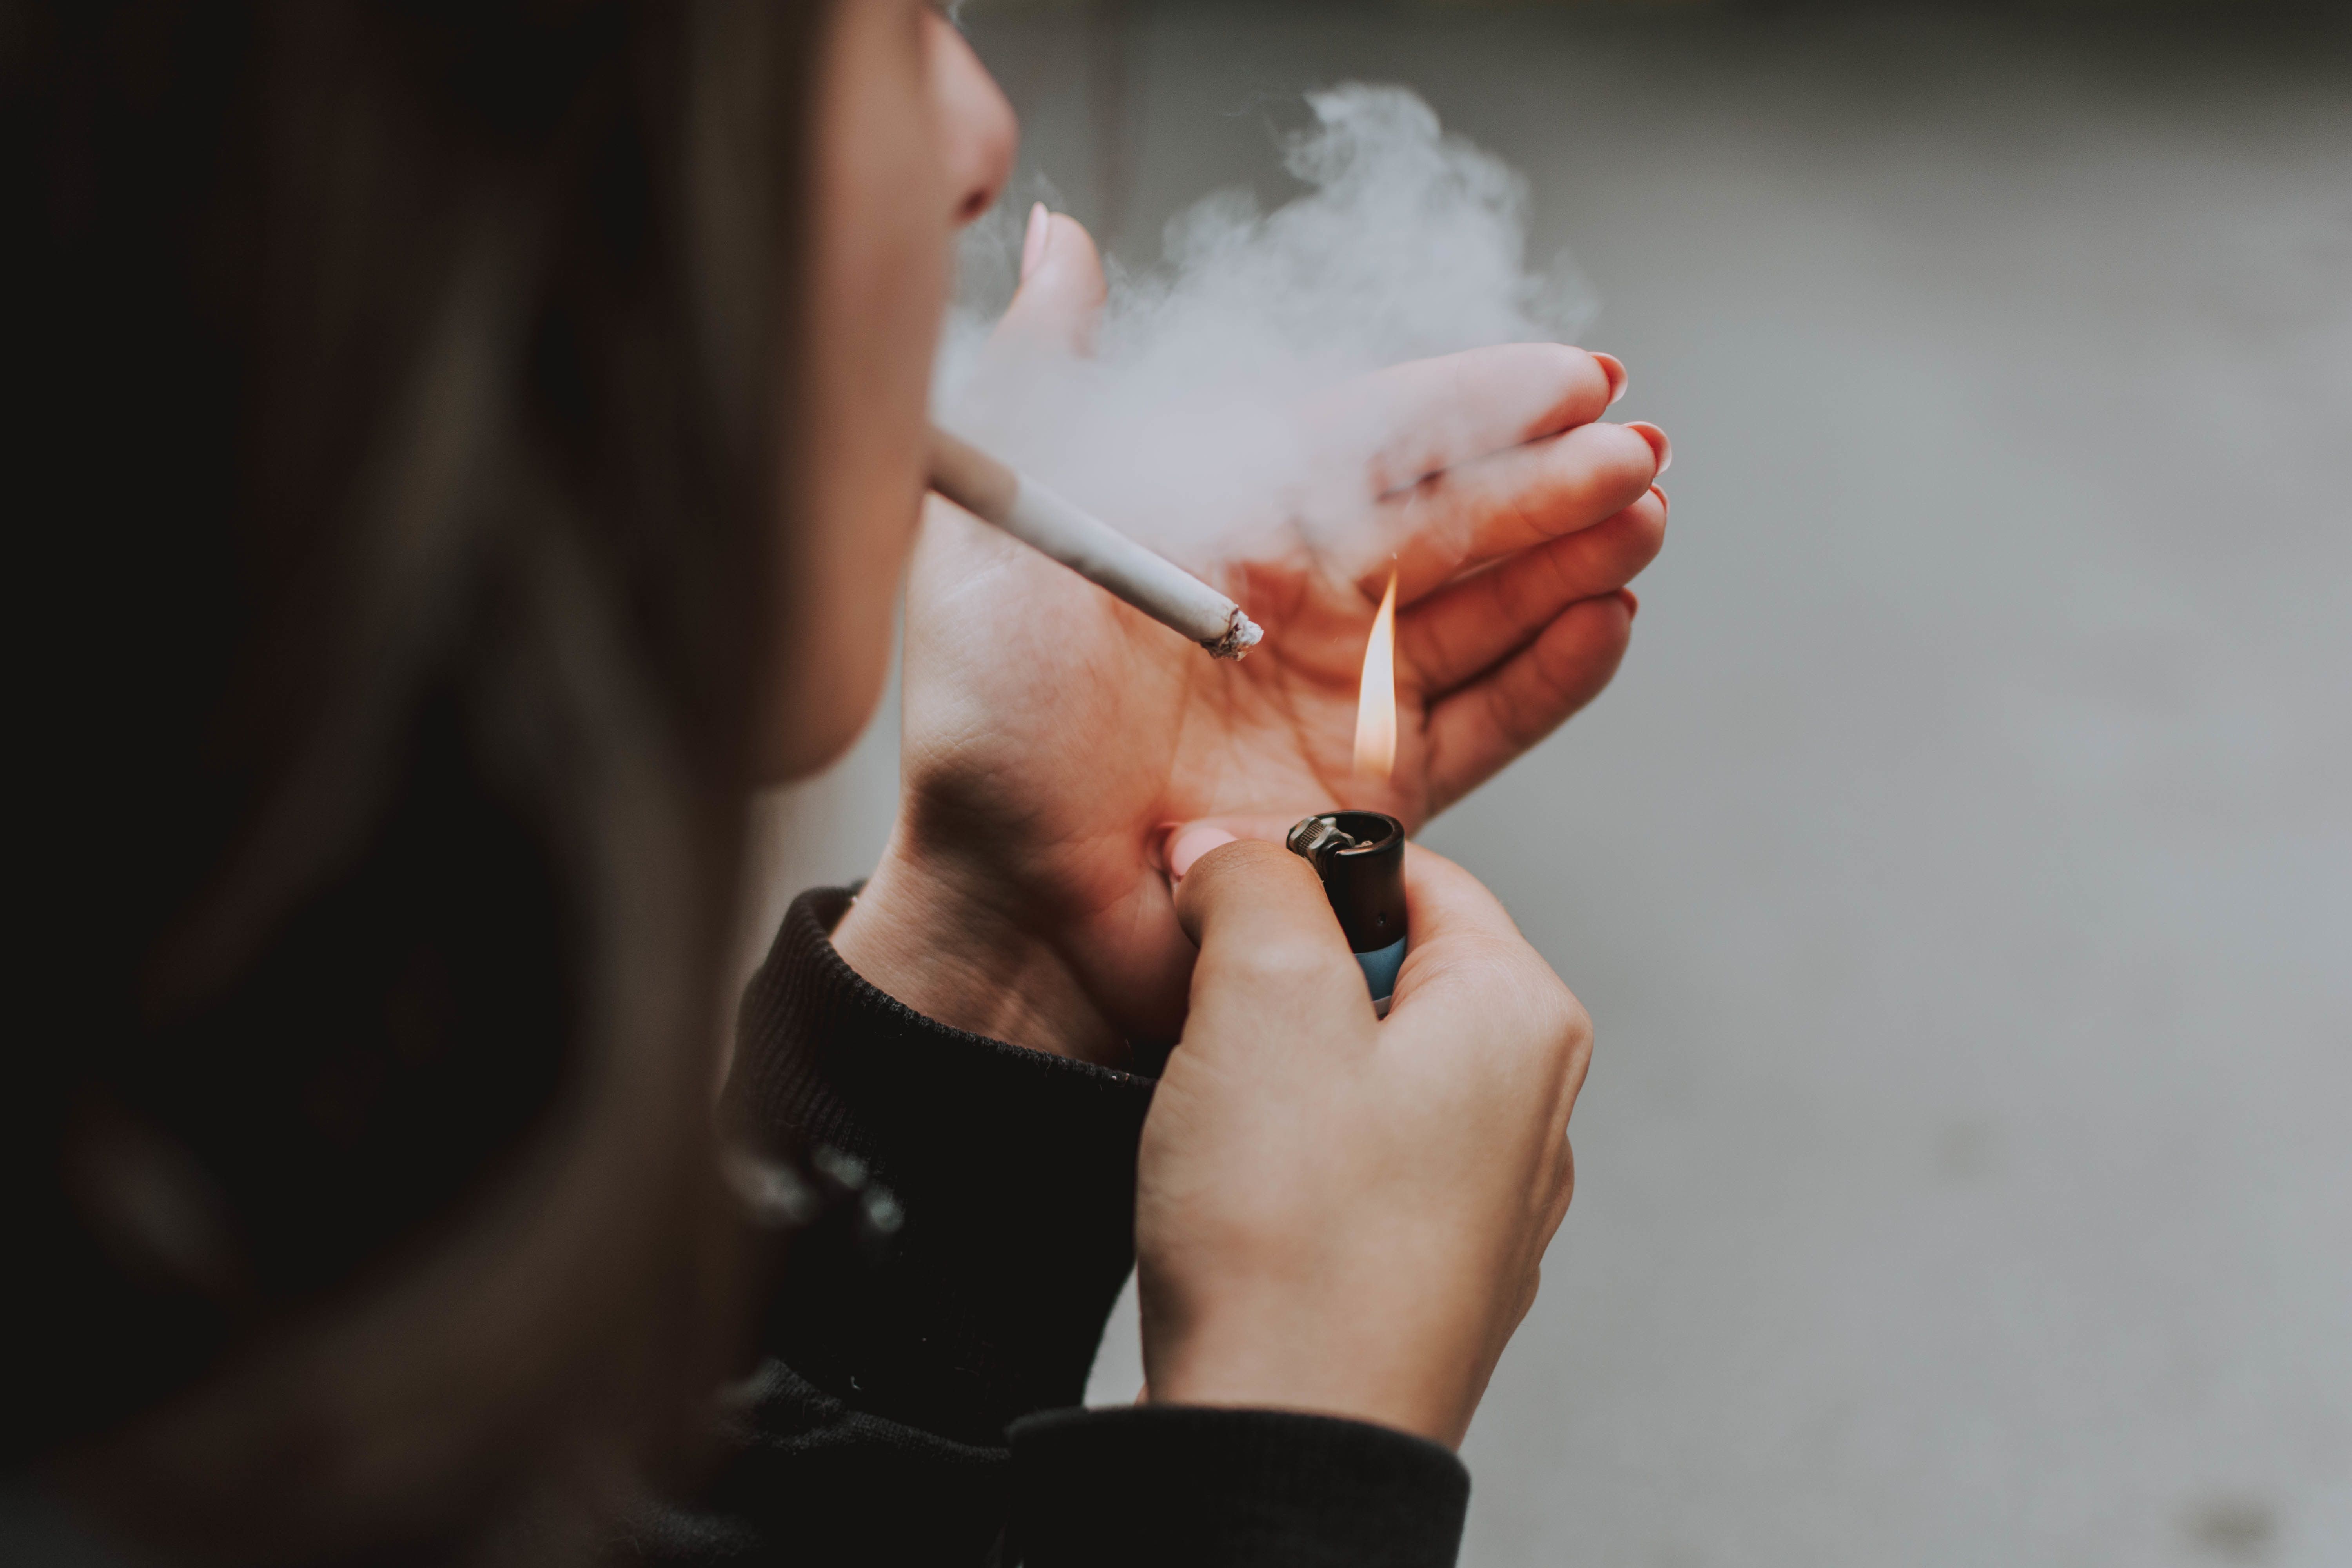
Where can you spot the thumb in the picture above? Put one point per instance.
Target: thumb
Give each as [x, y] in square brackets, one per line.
[1268, 939]
[1061, 289]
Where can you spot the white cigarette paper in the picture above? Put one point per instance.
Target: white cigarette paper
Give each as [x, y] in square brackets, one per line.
[1088, 546]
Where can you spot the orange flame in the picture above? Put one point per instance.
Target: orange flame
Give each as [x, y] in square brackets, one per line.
[1376, 733]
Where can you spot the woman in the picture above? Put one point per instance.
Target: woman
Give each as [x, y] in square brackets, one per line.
[472, 446]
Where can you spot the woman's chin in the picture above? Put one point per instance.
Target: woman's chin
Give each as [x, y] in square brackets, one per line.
[814, 730]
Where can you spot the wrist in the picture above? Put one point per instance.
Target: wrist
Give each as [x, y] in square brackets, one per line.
[931, 936]
[1309, 1362]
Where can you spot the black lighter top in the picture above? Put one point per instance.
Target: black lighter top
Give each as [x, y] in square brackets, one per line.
[1360, 855]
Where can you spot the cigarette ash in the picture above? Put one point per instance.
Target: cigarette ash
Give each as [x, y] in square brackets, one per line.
[1185, 429]
[1242, 634]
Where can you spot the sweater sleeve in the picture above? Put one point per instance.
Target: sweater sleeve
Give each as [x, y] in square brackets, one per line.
[1170, 1485]
[1014, 1172]
[915, 1409]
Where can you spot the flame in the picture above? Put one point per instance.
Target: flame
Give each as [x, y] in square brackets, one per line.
[1376, 698]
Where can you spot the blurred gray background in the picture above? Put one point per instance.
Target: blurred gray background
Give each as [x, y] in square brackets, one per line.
[1961, 870]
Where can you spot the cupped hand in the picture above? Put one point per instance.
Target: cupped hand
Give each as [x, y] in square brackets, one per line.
[1050, 733]
[1337, 1214]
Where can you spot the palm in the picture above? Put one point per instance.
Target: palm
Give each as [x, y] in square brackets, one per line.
[1092, 724]
[1050, 733]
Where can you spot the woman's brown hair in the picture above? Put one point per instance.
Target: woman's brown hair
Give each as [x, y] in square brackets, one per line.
[401, 388]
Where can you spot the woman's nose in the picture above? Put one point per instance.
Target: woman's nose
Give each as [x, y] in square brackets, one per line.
[977, 123]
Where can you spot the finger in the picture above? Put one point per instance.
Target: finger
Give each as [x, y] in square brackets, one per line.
[1469, 961]
[1452, 523]
[1060, 300]
[1614, 369]
[1470, 734]
[1273, 960]
[1456, 634]
[1451, 913]
[1187, 845]
[1410, 421]
[1174, 846]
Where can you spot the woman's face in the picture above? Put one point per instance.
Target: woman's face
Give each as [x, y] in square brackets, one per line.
[914, 141]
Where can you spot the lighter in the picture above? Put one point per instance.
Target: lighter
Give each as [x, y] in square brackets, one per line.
[1359, 856]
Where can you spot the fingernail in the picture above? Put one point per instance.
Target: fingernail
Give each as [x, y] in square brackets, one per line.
[1633, 601]
[1189, 844]
[1614, 368]
[1034, 243]
[1664, 505]
[1658, 443]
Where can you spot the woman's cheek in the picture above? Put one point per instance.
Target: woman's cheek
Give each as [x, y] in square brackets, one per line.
[884, 236]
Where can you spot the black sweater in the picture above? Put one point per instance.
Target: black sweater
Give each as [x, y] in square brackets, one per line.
[922, 1409]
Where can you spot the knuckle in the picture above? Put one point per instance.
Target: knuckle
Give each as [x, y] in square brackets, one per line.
[1530, 1286]
[1551, 1006]
[1575, 1025]
[1558, 1025]
[1575, 1034]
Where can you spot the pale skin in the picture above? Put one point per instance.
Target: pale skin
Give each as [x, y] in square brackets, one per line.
[1335, 1214]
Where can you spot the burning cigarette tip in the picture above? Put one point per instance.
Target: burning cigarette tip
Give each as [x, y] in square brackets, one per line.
[1242, 634]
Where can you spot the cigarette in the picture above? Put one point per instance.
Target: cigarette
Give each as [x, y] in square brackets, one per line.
[1088, 546]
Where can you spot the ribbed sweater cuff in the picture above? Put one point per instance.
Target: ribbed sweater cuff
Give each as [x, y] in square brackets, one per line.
[1172, 1484]
[1016, 1171]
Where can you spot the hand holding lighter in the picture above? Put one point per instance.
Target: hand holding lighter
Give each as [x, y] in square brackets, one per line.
[1359, 856]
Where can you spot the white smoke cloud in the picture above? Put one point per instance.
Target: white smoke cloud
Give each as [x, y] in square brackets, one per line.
[1407, 243]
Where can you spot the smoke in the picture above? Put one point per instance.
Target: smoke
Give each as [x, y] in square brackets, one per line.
[1184, 427]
